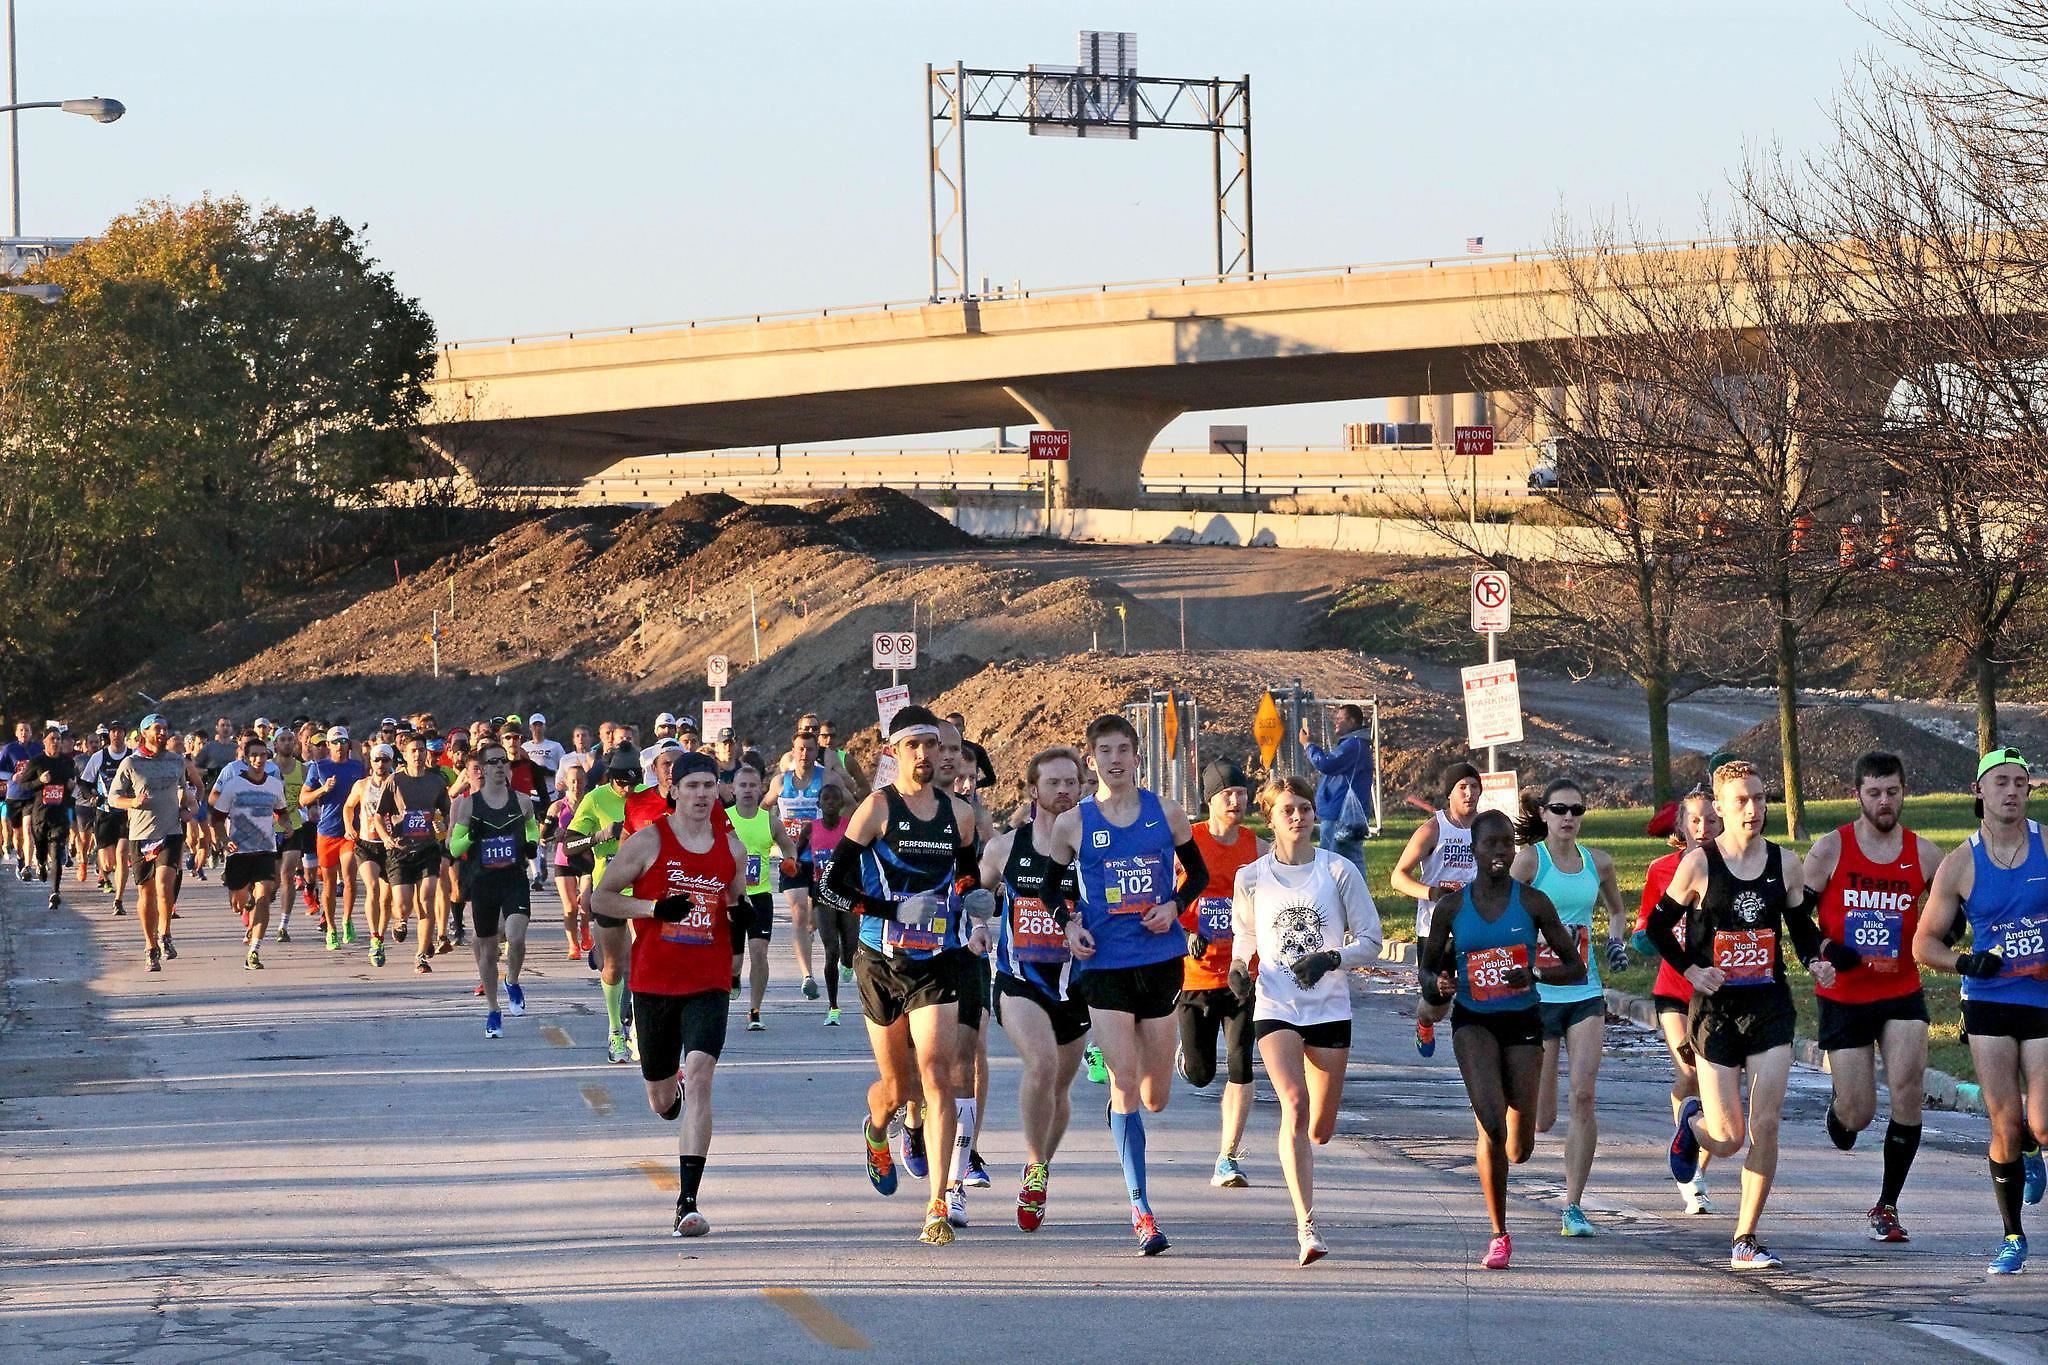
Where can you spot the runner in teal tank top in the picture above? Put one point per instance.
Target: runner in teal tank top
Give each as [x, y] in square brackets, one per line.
[1575, 879]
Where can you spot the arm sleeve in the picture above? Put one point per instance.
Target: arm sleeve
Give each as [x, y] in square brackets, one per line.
[986, 769]
[1194, 876]
[966, 868]
[845, 880]
[458, 839]
[1662, 926]
[1361, 917]
[1799, 926]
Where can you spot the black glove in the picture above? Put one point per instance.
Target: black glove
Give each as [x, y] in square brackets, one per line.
[1241, 982]
[1980, 965]
[674, 909]
[1197, 945]
[1517, 978]
[1840, 956]
[1313, 967]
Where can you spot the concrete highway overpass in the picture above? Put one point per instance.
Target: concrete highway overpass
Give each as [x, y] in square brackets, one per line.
[1112, 364]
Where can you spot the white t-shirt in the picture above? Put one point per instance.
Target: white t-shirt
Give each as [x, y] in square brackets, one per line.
[1284, 912]
[251, 808]
[545, 753]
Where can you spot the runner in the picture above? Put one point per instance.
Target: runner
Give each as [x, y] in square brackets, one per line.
[664, 733]
[1871, 876]
[150, 787]
[13, 812]
[86, 807]
[687, 876]
[1127, 942]
[976, 771]
[839, 760]
[49, 778]
[412, 816]
[1999, 883]
[360, 815]
[249, 795]
[572, 870]
[1734, 895]
[199, 840]
[1032, 964]
[110, 825]
[1436, 862]
[762, 837]
[1697, 822]
[977, 990]
[795, 803]
[1207, 1005]
[492, 829]
[838, 925]
[547, 756]
[907, 851]
[1306, 916]
[329, 783]
[600, 821]
[1575, 1016]
[1482, 941]
[297, 840]
[213, 757]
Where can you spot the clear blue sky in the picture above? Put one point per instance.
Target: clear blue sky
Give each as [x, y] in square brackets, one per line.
[524, 166]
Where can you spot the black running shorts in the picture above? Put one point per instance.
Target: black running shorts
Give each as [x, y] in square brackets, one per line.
[891, 987]
[1735, 1024]
[1069, 1017]
[1845, 1025]
[1147, 992]
[2003, 1019]
[496, 896]
[1333, 1033]
[244, 870]
[1510, 1028]
[413, 863]
[670, 1027]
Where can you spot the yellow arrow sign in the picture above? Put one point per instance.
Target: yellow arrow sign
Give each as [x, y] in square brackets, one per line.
[1172, 726]
[1268, 729]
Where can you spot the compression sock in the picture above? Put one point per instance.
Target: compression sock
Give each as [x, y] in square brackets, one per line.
[692, 1172]
[1128, 1130]
[2008, 1180]
[1901, 1145]
[614, 1003]
[1837, 1133]
[963, 1137]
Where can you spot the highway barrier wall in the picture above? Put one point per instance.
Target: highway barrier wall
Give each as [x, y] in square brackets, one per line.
[1366, 535]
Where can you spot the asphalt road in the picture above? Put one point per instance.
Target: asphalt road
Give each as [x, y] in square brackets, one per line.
[327, 1161]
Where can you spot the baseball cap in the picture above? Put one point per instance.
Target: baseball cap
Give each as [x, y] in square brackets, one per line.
[687, 724]
[692, 763]
[100, 730]
[1998, 758]
[625, 763]
[725, 734]
[514, 720]
[153, 718]
[1221, 775]
[388, 723]
[337, 734]
[259, 722]
[665, 718]
[384, 751]
[536, 719]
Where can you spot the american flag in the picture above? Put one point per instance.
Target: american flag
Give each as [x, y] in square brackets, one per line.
[1475, 245]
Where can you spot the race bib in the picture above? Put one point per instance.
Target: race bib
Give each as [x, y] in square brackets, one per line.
[1034, 934]
[1487, 969]
[1131, 886]
[1212, 919]
[53, 794]
[1746, 956]
[1876, 935]
[416, 824]
[1546, 956]
[753, 868]
[793, 831]
[916, 938]
[497, 851]
[2025, 946]
[698, 928]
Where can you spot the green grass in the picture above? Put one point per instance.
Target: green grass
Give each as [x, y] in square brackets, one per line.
[1947, 820]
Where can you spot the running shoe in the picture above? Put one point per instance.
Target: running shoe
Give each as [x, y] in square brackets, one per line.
[398, 931]
[1031, 1198]
[846, 976]
[1313, 1248]
[574, 952]
[1750, 1254]
[1229, 1175]
[913, 1153]
[1098, 1070]
[616, 1051]
[590, 954]
[690, 1223]
[156, 960]
[333, 940]
[422, 967]
[170, 949]
[937, 1231]
[1685, 1144]
[1576, 1224]
[284, 935]
[881, 1168]
[1695, 1195]
[105, 885]
[1884, 1225]
[810, 988]
[754, 1024]
[1151, 1241]
[589, 944]
[1425, 1038]
[252, 963]
[21, 870]
[348, 931]
[446, 944]
[199, 873]
[956, 1206]
[2011, 1258]
[53, 900]
[479, 991]
[2037, 1176]
[977, 1174]
[494, 1025]
[120, 909]
[1497, 1252]
[832, 1017]
[1180, 1066]
[515, 999]
[376, 952]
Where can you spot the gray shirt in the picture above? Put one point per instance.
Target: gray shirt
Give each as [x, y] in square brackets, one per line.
[160, 782]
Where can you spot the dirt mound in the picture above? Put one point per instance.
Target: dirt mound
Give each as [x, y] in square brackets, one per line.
[1067, 616]
[1831, 739]
[699, 507]
[881, 519]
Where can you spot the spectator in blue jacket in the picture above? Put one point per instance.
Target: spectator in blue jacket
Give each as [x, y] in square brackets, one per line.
[1344, 796]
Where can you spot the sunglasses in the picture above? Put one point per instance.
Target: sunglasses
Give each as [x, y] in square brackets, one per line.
[1559, 808]
[497, 763]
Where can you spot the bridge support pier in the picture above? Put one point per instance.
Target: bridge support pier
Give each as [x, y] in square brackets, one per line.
[1111, 435]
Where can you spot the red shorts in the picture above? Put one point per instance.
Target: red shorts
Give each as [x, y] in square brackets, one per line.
[330, 850]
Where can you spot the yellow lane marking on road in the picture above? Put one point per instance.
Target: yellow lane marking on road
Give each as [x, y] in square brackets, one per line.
[599, 1099]
[659, 1175]
[554, 1035]
[814, 1317]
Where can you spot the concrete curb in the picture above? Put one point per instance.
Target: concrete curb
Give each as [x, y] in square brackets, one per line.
[1943, 1090]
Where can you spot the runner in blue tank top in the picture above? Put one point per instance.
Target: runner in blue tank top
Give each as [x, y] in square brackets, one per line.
[907, 864]
[1999, 881]
[1482, 955]
[1127, 941]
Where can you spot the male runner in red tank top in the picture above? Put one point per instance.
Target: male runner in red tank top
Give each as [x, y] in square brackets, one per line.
[1872, 876]
[684, 877]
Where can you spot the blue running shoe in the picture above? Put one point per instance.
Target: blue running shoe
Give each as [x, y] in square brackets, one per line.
[1229, 1175]
[1685, 1144]
[913, 1153]
[881, 1170]
[1151, 1241]
[2037, 1176]
[515, 999]
[2011, 1258]
[1425, 1038]
[1576, 1224]
[494, 1025]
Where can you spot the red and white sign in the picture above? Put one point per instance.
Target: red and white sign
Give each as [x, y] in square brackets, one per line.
[1502, 792]
[1493, 704]
[1051, 445]
[895, 649]
[1492, 601]
[1473, 440]
[888, 702]
[717, 717]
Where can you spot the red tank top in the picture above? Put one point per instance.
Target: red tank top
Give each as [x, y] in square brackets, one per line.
[1874, 908]
[1210, 915]
[695, 954]
[1656, 881]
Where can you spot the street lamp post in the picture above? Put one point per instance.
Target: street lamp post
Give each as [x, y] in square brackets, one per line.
[98, 109]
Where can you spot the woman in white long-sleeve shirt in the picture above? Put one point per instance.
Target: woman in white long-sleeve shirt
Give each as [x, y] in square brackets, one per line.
[1307, 915]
